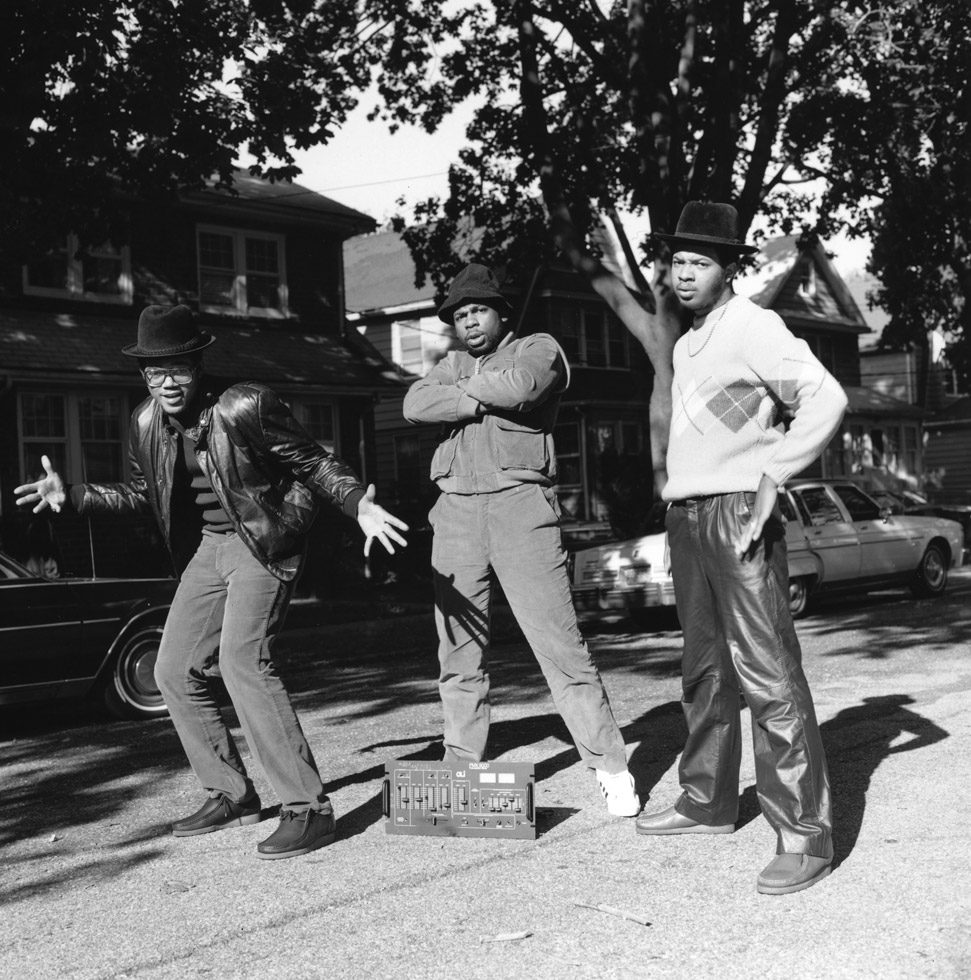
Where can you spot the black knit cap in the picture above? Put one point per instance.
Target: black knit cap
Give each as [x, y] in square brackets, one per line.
[475, 283]
[707, 223]
[167, 331]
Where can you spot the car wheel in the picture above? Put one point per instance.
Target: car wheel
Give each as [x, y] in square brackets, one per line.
[129, 690]
[930, 578]
[798, 596]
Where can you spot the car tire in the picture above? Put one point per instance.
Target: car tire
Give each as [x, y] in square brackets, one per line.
[930, 577]
[129, 689]
[798, 596]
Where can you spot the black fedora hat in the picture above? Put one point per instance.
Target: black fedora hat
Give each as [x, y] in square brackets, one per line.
[707, 223]
[474, 283]
[167, 331]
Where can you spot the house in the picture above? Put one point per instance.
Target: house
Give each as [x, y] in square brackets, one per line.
[263, 268]
[601, 437]
[923, 378]
[880, 441]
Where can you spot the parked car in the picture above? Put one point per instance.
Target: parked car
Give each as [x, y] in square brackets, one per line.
[911, 502]
[838, 539]
[73, 637]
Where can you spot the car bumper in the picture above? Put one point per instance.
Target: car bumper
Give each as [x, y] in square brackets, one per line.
[604, 598]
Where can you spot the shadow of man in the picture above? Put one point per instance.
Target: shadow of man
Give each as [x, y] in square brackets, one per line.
[857, 741]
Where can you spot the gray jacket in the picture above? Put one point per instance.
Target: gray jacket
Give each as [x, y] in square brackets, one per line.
[500, 410]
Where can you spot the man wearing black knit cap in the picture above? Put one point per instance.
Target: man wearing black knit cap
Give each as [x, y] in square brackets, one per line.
[233, 481]
[498, 514]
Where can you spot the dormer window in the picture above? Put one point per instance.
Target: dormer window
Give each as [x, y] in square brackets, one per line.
[100, 274]
[807, 279]
[241, 273]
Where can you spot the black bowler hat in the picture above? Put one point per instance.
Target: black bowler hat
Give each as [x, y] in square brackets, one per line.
[167, 331]
[707, 223]
[475, 283]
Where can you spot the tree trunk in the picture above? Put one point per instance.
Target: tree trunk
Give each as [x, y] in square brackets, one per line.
[654, 318]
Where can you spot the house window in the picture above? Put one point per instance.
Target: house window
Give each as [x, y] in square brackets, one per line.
[409, 473]
[418, 345]
[242, 273]
[568, 334]
[591, 336]
[595, 338]
[807, 279]
[407, 346]
[82, 434]
[317, 417]
[99, 274]
[569, 487]
[618, 350]
[911, 442]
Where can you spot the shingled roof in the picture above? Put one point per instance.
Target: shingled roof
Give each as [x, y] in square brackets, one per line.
[776, 283]
[290, 201]
[45, 343]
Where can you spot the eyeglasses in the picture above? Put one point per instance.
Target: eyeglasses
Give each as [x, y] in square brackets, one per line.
[181, 374]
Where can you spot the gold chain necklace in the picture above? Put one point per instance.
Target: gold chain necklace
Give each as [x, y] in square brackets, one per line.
[704, 343]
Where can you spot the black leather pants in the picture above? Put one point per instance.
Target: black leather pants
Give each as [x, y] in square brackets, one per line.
[739, 636]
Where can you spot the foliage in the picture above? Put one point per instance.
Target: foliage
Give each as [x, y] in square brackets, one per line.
[107, 98]
[645, 109]
[892, 120]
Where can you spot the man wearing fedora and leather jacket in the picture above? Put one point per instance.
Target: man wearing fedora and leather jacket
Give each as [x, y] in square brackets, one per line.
[497, 514]
[737, 371]
[233, 482]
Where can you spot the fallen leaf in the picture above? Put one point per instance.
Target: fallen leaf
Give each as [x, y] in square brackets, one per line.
[174, 887]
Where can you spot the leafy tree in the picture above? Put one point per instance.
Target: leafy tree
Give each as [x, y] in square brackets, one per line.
[600, 108]
[889, 123]
[100, 99]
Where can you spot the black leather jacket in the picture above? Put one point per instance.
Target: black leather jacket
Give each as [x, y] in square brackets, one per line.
[263, 466]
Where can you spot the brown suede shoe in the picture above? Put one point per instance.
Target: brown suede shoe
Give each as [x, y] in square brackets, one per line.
[219, 813]
[787, 873]
[299, 833]
[669, 821]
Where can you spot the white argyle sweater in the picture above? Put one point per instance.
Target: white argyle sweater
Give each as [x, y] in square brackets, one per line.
[728, 398]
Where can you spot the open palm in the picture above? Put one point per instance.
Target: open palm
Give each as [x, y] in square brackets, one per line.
[48, 491]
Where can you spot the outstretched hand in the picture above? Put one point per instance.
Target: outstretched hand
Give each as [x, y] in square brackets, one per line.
[765, 501]
[48, 491]
[376, 522]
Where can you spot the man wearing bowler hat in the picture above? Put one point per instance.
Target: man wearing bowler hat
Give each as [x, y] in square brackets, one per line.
[233, 481]
[736, 371]
[498, 514]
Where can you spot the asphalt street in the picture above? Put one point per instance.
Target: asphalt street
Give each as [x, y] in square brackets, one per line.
[93, 885]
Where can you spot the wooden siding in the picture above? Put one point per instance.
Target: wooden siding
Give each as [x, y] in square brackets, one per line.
[947, 459]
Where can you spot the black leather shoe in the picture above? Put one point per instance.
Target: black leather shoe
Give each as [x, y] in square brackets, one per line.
[669, 821]
[299, 833]
[218, 813]
[788, 873]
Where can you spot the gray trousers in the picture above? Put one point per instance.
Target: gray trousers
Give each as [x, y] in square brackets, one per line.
[739, 637]
[228, 605]
[514, 533]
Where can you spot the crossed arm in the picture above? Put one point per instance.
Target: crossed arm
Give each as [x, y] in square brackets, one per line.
[445, 395]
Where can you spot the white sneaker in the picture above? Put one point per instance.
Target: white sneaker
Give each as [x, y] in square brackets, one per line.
[618, 791]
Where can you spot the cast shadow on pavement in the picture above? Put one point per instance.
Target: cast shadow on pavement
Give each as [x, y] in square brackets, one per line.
[660, 732]
[857, 741]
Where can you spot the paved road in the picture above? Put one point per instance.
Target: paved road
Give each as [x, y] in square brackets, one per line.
[91, 884]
